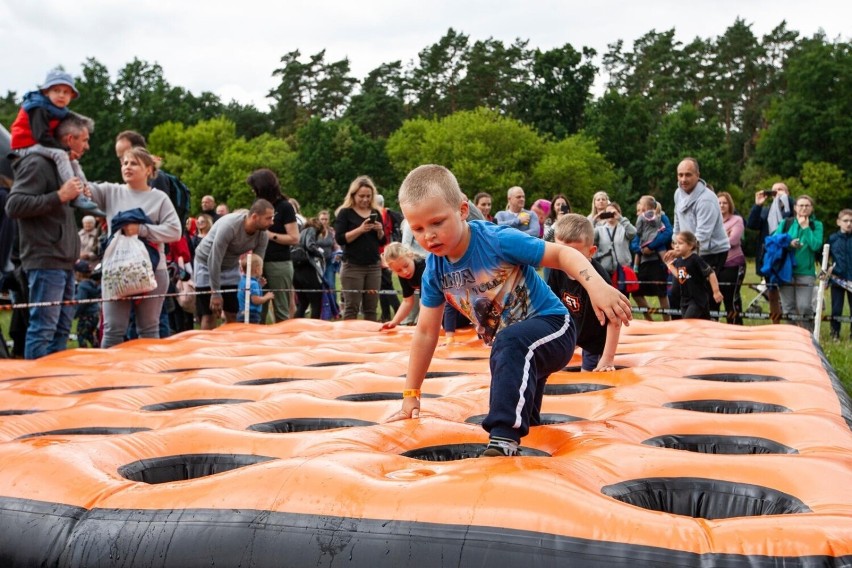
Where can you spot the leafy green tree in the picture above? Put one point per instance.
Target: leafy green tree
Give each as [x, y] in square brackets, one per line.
[379, 108]
[306, 90]
[435, 82]
[98, 101]
[9, 106]
[556, 96]
[576, 168]
[485, 151]
[653, 70]
[830, 188]
[812, 120]
[211, 159]
[249, 121]
[242, 157]
[494, 75]
[684, 133]
[622, 126]
[329, 155]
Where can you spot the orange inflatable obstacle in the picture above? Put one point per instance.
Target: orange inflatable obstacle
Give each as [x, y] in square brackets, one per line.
[712, 445]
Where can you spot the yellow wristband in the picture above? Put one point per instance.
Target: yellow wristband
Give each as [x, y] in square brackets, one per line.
[411, 393]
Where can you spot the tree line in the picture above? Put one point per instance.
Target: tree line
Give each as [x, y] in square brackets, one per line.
[753, 110]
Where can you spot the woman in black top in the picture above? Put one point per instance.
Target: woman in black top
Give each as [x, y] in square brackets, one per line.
[277, 266]
[358, 230]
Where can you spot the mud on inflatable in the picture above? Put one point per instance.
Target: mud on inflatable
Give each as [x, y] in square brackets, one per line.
[712, 445]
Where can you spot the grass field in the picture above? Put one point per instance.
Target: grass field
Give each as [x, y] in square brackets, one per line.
[839, 354]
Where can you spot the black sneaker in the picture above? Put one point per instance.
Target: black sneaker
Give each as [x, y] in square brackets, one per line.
[501, 447]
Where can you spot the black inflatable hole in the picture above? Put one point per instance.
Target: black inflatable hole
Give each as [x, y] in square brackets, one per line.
[469, 358]
[87, 431]
[374, 396]
[546, 418]
[17, 412]
[736, 359]
[453, 452]
[330, 364]
[289, 425]
[735, 377]
[191, 403]
[574, 388]
[186, 466]
[727, 406]
[704, 498]
[102, 389]
[715, 444]
[269, 381]
[579, 368]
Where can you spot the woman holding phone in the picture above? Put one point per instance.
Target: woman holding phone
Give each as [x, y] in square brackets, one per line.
[358, 230]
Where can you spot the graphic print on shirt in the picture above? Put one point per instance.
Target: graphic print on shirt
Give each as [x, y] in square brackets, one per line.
[571, 301]
[682, 274]
[490, 299]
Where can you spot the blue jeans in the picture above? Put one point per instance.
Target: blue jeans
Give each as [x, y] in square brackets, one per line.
[49, 326]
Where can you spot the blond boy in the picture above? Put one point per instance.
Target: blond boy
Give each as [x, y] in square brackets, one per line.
[487, 272]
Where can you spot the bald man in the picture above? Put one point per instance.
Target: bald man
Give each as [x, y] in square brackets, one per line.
[697, 210]
[515, 215]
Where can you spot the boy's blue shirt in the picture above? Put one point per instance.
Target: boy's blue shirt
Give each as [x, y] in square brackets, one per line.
[495, 283]
[255, 290]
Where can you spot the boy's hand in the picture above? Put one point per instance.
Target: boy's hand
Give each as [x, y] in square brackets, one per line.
[388, 325]
[410, 409]
[610, 304]
[605, 366]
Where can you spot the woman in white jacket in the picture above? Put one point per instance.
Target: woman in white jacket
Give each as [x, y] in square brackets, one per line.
[612, 238]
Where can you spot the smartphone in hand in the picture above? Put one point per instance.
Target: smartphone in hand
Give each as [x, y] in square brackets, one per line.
[374, 217]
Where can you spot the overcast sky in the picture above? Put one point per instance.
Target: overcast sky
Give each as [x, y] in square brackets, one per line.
[232, 47]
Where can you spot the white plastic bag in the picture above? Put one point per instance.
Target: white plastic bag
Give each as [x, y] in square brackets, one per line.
[126, 268]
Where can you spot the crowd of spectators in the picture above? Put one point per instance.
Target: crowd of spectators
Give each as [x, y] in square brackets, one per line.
[345, 268]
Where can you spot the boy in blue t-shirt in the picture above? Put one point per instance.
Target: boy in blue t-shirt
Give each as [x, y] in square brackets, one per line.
[599, 341]
[487, 272]
[256, 296]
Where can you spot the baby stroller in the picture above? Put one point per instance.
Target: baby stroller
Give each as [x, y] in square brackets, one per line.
[760, 303]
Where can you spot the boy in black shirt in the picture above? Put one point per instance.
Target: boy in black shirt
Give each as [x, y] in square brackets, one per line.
[599, 342]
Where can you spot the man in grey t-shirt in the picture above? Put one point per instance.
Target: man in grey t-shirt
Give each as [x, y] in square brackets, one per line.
[217, 259]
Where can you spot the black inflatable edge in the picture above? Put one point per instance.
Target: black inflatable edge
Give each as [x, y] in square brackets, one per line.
[37, 533]
[842, 396]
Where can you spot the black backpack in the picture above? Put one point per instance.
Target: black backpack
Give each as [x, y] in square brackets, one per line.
[178, 194]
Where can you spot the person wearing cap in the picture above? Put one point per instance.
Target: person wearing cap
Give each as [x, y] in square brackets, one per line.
[34, 130]
[48, 238]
